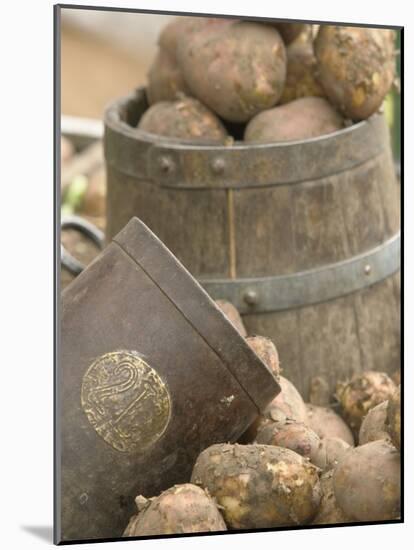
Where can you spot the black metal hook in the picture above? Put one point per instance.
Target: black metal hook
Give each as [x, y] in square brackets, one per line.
[88, 229]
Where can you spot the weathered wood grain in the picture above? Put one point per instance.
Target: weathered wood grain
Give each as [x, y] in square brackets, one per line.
[379, 327]
[264, 231]
[192, 224]
[318, 223]
[362, 206]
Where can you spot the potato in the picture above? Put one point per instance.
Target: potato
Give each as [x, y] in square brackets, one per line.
[179, 26]
[236, 69]
[361, 394]
[295, 436]
[289, 401]
[182, 509]
[259, 485]
[329, 511]
[304, 118]
[301, 80]
[266, 350]
[230, 311]
[290, 31]
[288, 404]
[326, 423]
[367, 482]
[356, 67]
[374, 426]
[394, 417]
[185, 118]
[335, 449]
[165, 80]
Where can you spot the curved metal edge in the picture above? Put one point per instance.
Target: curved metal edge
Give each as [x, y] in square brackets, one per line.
[69, 262]
[170, 162]
[267, 294]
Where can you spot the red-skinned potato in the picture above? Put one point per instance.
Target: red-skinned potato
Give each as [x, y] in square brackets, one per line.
[329, 511]
[165, 80]
[335, 449]
[232, 314]
[236, 69]
[185, 118]
[303, 118]
[367, 483]
[266, 350]
[301, 77]
[374, 425]
[295, 436]
[326, 423]
[288, 404]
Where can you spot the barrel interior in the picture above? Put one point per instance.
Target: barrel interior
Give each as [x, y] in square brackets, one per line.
[131, 112]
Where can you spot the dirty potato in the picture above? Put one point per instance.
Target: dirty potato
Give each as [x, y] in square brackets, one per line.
[288, 404]
[303, 118]
[361, 394]
[259, 485]
[326, 423]
[165, 80]
[236, 69]
[295, 436]
[301, 77]
[182, 509]
[178, 27]
[185, 118]
[329, 511]
[374, 426]
[367, 482]
[394, 417]
[335, 449]
[266, 350]
[289, 401]
[232, 314]
[356, 67]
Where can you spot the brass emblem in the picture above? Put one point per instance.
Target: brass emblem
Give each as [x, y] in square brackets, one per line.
[126, 401]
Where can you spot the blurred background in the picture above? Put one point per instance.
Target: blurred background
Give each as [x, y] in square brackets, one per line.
[104, 55]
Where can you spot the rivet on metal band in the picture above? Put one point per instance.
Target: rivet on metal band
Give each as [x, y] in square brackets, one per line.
[257, 295]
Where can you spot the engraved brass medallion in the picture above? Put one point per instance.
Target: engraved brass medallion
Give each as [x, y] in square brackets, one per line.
[126, 401]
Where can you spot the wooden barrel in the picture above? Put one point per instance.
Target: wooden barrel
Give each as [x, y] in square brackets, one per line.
[303, 237]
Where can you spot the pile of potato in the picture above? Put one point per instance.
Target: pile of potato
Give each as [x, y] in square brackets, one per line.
[218, 79]
[298, 464]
